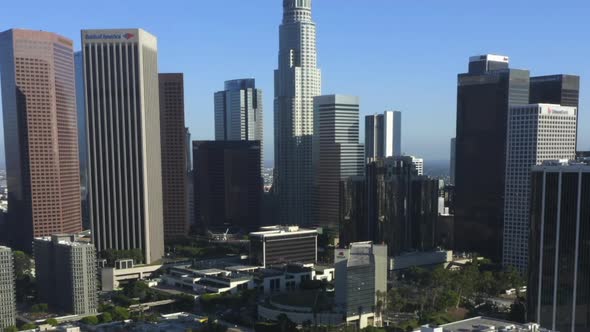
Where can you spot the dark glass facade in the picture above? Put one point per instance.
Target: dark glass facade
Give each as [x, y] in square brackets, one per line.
[423, 210]
[360, 289]
[388, 186]
[353, 211]
[174, 154]
[483, 100]
[228, 184]
[559, 250]
[563, 90]
[282, 249]
[402, 207]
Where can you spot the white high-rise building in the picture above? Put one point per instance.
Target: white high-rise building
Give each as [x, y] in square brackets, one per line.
[124, 150]
[383, 135]
[419, 164]
[297, 82]
[536, 133]
[7, 287]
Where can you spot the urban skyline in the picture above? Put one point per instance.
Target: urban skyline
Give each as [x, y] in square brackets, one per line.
[161, 218]
[426, 63]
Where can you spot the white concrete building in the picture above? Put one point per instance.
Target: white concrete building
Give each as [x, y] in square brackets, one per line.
[111, 278]
[297, 82]
[536, 133]
[419, 164]
[123, 122]
[7, 289]
[209, 281]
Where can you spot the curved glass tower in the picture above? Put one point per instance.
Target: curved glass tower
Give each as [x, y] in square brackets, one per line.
[297, 81]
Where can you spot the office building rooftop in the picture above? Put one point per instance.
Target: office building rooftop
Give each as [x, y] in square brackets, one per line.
[483, 324]
[270, 231]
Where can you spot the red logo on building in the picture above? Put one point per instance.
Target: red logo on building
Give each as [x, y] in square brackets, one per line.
[128, 36]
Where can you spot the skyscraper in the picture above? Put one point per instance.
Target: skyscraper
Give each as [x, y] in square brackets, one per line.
[40, 134]
[558, 292]
[337, 154]
[297, 82]
[174, 164]
[82, 137]
[238, 111]
[353, 211]
[453, 161]
[7, 290]
[401, 205]
[228, 184]
[66, 274]
[422, 208]
[536, 132]
[190, 189]
[562, 90]
[383, 135]
[484, 95]
[123, 121]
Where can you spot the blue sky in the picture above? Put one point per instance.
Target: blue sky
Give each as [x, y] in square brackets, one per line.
[394, 54]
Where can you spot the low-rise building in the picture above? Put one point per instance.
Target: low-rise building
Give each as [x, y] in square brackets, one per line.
[361, 274]
[483, 324]
[214, 281]
[113, 277]
[282, 245]
[222, 278]
[420, 259]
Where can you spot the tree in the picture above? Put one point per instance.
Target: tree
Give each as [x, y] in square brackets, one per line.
[266, 327]
[120, 313]
[22, 265]
[25, 288]
[112, 255]
[185, 302]
[210, 326]
[465, 282]
[11, 329]
[52, 322]
[517, 311]
[285, 324]
[106, 317]
[28, 326]
[395, 301]
[373, 329]
[488, 284]
[136, 289]
[90, 320]
[40, 308]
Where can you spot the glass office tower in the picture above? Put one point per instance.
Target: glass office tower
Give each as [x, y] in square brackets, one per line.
[484, 95]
